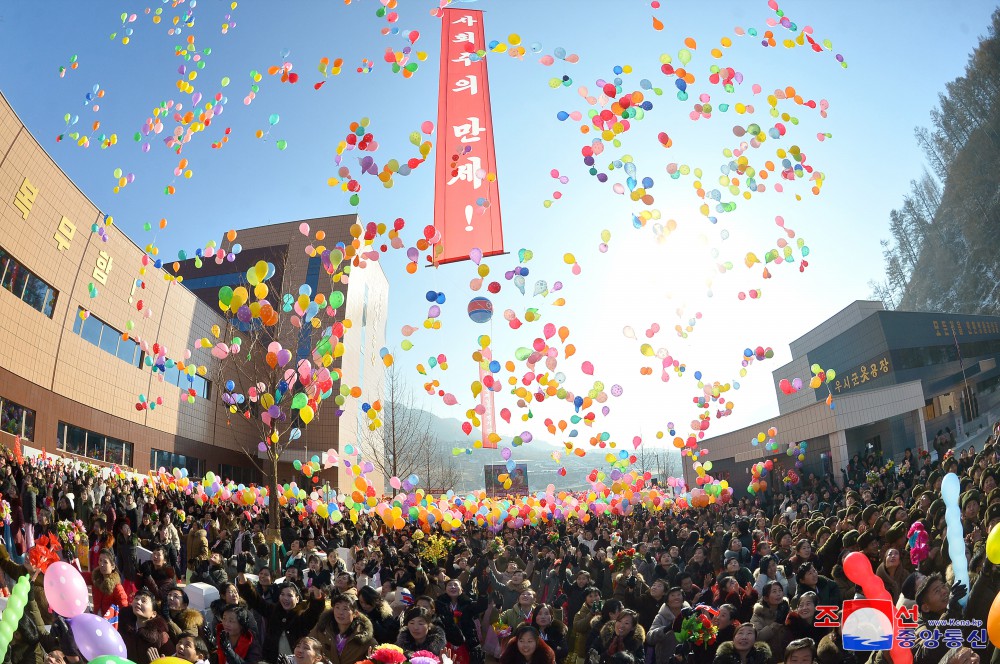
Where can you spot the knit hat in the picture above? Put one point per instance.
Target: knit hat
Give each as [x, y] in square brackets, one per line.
[851, 538]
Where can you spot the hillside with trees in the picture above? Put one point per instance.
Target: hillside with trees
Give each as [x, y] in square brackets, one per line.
[944, 251]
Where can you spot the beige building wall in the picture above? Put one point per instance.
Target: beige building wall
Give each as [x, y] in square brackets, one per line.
[47, 367]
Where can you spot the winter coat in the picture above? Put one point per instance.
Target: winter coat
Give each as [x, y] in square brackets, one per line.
[293, 624]
[555, 636]
[761, 580]
[384, 623]
[197, 547]
[581, 629]
[185, 621]
[769, 629]
[760, 653]
[797, 627]
[647, 607]
[511, 655]
[829, 650]
[705, 654]
[826, 589]
[893, 582]
[359, 639]
[634, 643]
[138, 639]
[245, 651]
[661, 636]
[434, 642]
[459, 624]
[108, 590]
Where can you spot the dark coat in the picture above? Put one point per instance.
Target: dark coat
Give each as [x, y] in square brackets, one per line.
[555, 635]
[726, 654]
[460, 625]
[435, 641]
[635, 644]
[797, 627]
[385, 624]
[293, 624]
[138, 639]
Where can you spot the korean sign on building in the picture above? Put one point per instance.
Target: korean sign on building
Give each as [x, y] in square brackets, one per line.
[466, 195]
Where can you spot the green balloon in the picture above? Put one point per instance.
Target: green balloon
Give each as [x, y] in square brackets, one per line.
[522, 353]
[336, 299]
[299, 400]
[225, 295]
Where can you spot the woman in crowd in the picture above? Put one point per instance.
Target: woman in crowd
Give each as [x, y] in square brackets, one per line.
[769, 618]
[800, 623]
[893, 573]
[458, 613]
[142, 628]
[287, 620]
[236, 639]
[378, 611]
[345, 635]
[625, 634]
[107, 585]
[527, 647]
[419, 633]
[768, 572]
[744, 648]
[551, 630]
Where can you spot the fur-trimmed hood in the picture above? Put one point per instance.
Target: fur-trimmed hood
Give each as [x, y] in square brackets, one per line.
[608, 633]
[361, 626]
[106, 584]
[190, 622]
[761, 652]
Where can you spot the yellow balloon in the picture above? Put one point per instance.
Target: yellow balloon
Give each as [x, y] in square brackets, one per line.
[306, 413]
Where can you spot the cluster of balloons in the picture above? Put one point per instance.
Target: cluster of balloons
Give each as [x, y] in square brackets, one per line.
[758, 472]
[360, 138]
[768, 439]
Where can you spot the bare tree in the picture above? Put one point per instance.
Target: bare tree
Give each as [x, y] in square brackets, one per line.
[271, 394]
[404, 444]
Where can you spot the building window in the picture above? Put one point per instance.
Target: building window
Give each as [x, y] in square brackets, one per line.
[202, 387]
[108, 339]
[17, 420]
[26, 285]
[169, 460]
[238, 474]
[92, 445]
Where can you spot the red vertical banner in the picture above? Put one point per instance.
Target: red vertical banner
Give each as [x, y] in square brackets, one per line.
[466, 195]
[488, 416]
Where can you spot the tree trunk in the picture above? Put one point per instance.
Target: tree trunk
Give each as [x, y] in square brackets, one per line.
[273, 514]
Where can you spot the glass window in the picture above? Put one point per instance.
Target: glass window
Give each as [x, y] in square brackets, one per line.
[92, 330]
[35, 292]
[77, 440]
[95, 446]
[170, 375]
[61, 436]
[4, 262]
[128, 454]
[128, 351]
[49, 306]
[29, 425]
[115, 451]
[109, 340]
[15, 278]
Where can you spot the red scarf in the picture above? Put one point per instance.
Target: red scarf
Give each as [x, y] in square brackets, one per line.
[242, 647]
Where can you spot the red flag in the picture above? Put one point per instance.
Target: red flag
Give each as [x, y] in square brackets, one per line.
[466, 196]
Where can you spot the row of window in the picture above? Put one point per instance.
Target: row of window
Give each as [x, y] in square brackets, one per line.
[928, 356]
[202, 387]
[171, 460]
[114, 342]
[107, 338]
[238, 474]
[17, 420]
[26, 285]
[93, 445]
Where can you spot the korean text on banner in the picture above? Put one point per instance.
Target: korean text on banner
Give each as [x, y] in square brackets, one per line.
[466, 195]
[489, 413]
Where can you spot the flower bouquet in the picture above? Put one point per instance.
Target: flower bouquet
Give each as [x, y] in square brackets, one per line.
[5, 512]
[502, 629]
[436, 548]
[495, 547]
[697, 630]
[71, 533]
[424, 657]
[623, 560]
[388, 654]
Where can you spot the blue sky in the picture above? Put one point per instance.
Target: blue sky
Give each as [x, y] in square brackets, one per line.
[900, 55]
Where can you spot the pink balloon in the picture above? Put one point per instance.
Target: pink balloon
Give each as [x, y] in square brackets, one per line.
[395, 483]
[588, 368]
[65, 590]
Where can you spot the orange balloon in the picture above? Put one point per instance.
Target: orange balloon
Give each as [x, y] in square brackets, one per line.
[993, 622]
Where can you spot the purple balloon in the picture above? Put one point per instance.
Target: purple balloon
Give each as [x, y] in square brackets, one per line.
[274, 411]
[434, 311]
[96, 637]
[526, 436]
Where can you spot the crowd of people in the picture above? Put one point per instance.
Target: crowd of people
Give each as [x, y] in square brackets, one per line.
[733, 583]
